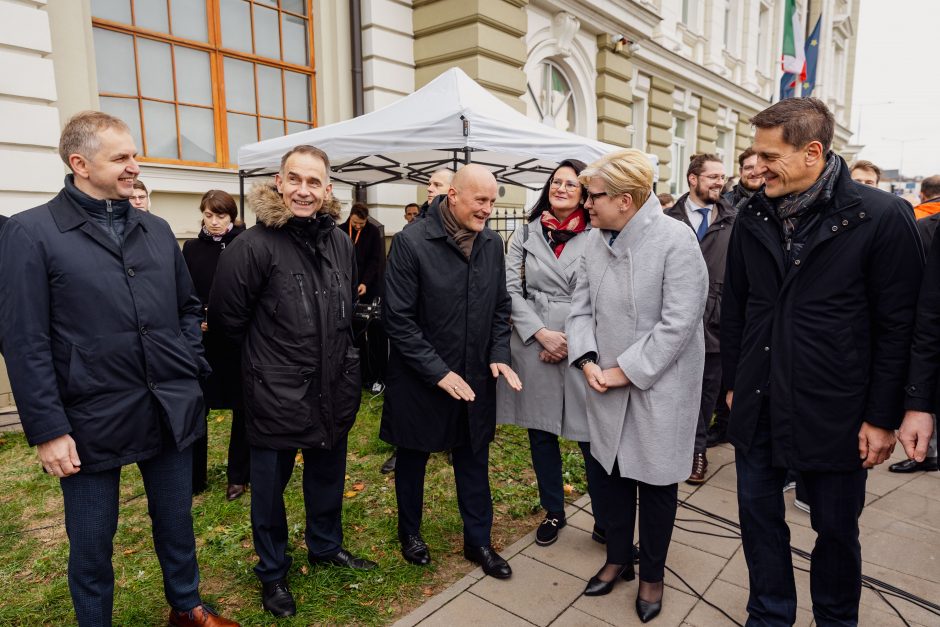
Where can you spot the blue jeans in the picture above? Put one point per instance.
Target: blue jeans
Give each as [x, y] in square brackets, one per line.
[836, 500]
[91, 516]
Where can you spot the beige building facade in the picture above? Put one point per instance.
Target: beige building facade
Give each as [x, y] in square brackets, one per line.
[197, 79]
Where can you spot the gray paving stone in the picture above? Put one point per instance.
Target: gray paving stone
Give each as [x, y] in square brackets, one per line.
[915, 585]
[724, 477]
[881, 481]
[911, 505]
[574, 553]
[696, 567]
[536, 592]
[582, 520]
[469, 609]
[436, 602]
[733, 600]
[916, 557]
[617, 608]
[576, 618]
[690, 527]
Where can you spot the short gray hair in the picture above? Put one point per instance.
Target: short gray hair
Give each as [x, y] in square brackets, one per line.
[80, 135]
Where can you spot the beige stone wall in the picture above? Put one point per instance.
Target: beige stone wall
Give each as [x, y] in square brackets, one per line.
[707, 126]
[613, 89]
[659, 126]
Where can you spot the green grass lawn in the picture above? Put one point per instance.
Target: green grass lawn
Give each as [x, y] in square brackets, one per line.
[34, 547]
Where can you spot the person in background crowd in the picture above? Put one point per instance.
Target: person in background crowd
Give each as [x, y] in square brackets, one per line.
[370, 262]
[447, 317]
[635, 331]
[666, 199]
[285, 291]
[411, 212]
[711, 217]
[223, 389]
[816, 320]
[929, 197]
[866, 173]
[541, 272]
[140, 199]
[99, 327]
[3, 220]
[748, 183]
[439, 183]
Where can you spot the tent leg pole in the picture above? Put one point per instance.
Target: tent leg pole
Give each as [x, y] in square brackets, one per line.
[466, 155]
[359, 193]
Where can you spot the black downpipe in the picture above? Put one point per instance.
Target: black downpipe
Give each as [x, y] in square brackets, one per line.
[355, 38]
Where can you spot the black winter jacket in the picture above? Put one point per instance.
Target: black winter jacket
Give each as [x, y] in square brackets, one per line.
[370, 259]
[443, 312]
[715, 251]
[923, 390]
[822, 341]
[223, 388]
[101, 341]
[288, 301]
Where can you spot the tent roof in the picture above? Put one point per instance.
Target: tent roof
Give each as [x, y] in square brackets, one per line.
[440, 125]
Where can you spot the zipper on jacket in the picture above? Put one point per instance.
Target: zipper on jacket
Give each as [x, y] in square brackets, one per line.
[110, 215]
[303, 296]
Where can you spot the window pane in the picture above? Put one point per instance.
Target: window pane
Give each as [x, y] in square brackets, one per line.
[297, 91]
[189, 19]
[160, 129]
[294, 30]
[296, 127]
[114, 59]
[116, 10]
[241, 131]
[266, 35]
[239, 85]
[156, 71]
[126, 109]
[271, 128]
[197, 134]
[236, 25]
[193, 80]
[270, 3]
[297, 6]
[270, 98]
[151, 14]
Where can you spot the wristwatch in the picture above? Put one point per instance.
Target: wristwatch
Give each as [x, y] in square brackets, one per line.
[581, 363]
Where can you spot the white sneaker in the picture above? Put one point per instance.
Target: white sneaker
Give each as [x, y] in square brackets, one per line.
[800, 505]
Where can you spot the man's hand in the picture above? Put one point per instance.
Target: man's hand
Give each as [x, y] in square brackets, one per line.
[555, 342]
[453, 384]
[729, 398]
[204, 326]
[511, 377]
[874, 444]
[59, 457]
[595, 377]
[615, 378]
[361, 289]
[914, 434]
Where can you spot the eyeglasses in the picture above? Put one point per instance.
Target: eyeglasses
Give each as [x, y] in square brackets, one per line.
[569, 186]
[593, 196]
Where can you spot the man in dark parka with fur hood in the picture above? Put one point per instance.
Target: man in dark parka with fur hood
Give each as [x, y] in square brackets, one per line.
[285, 291]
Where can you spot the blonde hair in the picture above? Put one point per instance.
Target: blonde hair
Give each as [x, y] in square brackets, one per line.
[623, 172]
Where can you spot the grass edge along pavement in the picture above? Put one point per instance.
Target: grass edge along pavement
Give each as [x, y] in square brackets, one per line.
[34, 546]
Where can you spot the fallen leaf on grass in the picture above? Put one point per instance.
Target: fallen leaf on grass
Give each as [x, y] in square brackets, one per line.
[427, 591]
[304, 569]
[129, 551]
[351, 494]
[219, 418]
[359, 487]
[569, 488]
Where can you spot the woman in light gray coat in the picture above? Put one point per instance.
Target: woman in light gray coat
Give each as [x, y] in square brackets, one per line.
[635, 330]
[541, 271]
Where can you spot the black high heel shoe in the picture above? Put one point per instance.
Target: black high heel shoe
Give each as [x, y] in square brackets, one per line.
[647, 610]
[598, 587]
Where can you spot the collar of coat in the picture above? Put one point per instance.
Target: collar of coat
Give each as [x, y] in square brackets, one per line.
[434, 228]
[271, 211]
[725, 210]
[636, 228]
[67, 215]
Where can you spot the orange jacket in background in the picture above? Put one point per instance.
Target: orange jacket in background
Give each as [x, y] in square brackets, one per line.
[925, 209]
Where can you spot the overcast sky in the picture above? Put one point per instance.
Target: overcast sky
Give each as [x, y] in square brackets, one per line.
[897, 60]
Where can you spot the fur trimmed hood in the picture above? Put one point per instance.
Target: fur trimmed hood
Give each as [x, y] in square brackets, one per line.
[271, 211]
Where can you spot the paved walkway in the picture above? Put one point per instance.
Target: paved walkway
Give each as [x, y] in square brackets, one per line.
[900, 531]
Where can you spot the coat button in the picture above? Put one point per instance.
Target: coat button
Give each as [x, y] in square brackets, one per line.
[757, 391]
[758, 213]
[766, 348]
[796, 263]
[834, 229]
[152, 385]
[861, 214]
[144, 330]
[845, 223]
[130, 272]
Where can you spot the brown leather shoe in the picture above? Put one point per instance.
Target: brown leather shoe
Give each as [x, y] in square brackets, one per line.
[202, 615]
[234, 491]
[699, 466]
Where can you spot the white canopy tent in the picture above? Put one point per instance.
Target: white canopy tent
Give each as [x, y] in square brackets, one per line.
[449, 121]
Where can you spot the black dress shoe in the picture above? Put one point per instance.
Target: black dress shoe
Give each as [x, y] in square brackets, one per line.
[599, 535]
[646, 610]
[910, 465]
[493, 565]
[414, 550]
[389, 465]
[234, 490]
[277, 599]
[547, 532]
[597, 587]
[345, 559]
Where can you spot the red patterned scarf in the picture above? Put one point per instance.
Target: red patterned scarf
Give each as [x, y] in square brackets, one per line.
[558, 233]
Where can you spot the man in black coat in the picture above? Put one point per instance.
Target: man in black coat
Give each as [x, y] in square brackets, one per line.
[817, 315]
[711, 217]
[285, 291]
[447, 317]
[99, 326]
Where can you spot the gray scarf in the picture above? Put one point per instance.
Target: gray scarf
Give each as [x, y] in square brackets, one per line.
[463, 237]
[792, 207]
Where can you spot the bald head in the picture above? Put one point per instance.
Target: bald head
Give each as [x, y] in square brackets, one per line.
[472, 195]
[439, 182]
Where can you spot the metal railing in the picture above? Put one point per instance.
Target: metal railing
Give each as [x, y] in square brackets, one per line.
[505, 220]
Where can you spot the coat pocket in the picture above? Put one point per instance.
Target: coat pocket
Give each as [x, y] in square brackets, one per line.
[279, 399]
[346, 395]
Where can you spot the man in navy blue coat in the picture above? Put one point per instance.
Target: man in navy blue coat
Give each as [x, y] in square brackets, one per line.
[99, 326]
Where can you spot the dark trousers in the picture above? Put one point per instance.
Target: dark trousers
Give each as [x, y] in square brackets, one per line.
[546, 461]
[239, 453]
[324, 473]
[200, 462]
[471, 474]
[711, 385]
[836, 500]
[658, 505]
[91, 517]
